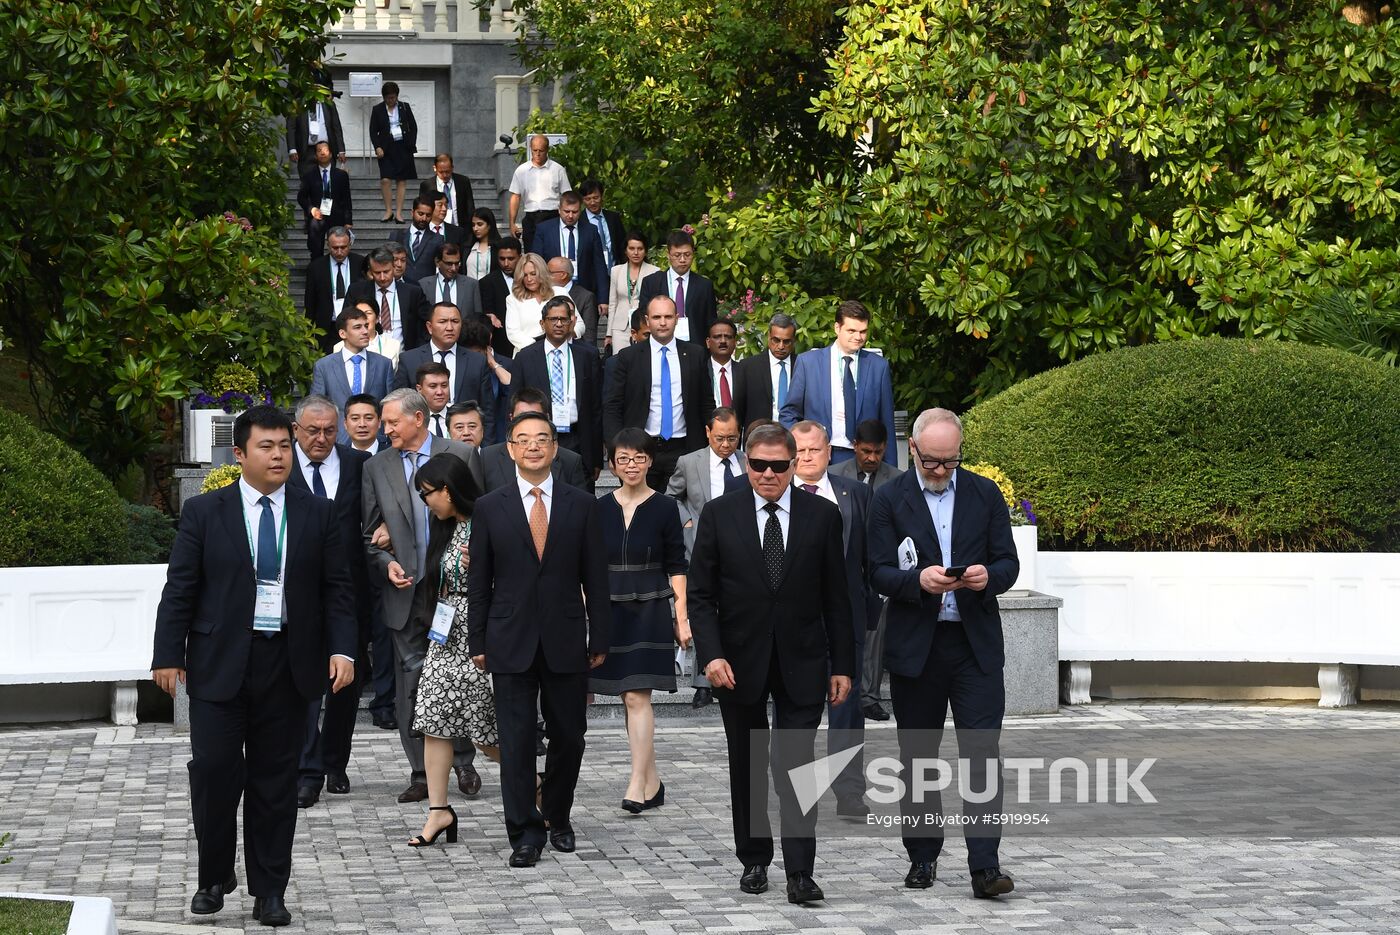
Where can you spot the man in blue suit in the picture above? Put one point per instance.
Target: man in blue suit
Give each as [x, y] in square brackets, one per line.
[354, 370]
[941, 548]
[567, 236]
[843, 385]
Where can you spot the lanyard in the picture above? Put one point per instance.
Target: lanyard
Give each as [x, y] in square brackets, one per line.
[443, 589]
[476, 259]
[281, 538]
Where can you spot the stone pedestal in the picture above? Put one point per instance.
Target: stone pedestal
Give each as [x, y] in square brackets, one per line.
[1030, 626]
[1338, 686]
[124, 704]
[188, 480]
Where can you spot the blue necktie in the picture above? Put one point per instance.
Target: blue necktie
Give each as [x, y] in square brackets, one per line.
[417, 239]
[318, 486]
[782, 384]
[268, 565]
[848, 391]
[357, 384]
[601, 224]
[325, 183]
[666, 428]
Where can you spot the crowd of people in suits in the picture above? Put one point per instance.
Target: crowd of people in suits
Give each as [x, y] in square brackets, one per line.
[441, 542]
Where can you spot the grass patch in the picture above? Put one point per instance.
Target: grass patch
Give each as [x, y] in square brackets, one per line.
[34, 916]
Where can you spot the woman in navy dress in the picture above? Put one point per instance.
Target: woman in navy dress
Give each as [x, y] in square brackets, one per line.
[646, 571]
[394, 134]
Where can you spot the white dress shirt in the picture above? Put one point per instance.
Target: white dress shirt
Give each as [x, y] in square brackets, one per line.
[565, 411]
[539, 187]
[345, 355]
[528, 499]
[775, 369]
[252, 516]
[330, 471]
[344, 267]
[372, 450]
[715, 368]
[451, 190]
[600, 224]
[823, 484]
[523, 319]
[653, 425]
[838, 395]
[451, 362]
[477, 263]
[394, 327]
[784, 513]
[717, 471]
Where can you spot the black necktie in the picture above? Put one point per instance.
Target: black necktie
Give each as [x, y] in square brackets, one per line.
[773, 546]
[573, 251]
[269, 563]
[437, 425]
[728, 473]
[340, 280]
[325, 183]
[318, 486]
[848, 391]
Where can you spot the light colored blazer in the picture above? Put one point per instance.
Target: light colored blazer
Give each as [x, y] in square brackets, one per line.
[690, 486]
[328, 379]
[620, 307]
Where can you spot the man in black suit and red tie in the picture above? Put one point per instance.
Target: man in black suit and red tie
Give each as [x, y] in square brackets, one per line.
[661, 385]
[403, 311]
[324, 196]
[328, 282]
[570, 372]
[538, 619]
[771, 615]
[256, 614]
[941, 548]
[693, 294]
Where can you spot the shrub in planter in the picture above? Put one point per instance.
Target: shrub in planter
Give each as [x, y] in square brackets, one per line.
[1212, 444]
[149, 535]
[55, 507]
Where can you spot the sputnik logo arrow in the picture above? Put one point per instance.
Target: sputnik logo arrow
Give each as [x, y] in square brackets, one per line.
[811, 780]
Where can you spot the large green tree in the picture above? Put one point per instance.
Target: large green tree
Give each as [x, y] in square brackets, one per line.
[141, 202]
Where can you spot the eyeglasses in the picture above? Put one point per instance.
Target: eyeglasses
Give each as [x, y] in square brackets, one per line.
[317, 433]
[532, 441]
[931, 464]
[628, 460]
[725, 439]
[425, 492]
[556, 320]
[762, 466]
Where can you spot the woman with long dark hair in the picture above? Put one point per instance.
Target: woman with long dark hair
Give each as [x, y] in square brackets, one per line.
[480, 260]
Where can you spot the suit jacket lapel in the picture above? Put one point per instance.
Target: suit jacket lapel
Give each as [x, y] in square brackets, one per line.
[557, 514]
[296, 525]
[797, 530]
[231, 512]
[843, 501]
[522, 520]
[917, 506]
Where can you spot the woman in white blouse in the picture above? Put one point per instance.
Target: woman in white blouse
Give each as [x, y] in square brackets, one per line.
[624, 290]
[480, 260]
[525, 304]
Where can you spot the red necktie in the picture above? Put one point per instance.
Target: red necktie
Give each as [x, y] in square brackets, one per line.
[725, 399]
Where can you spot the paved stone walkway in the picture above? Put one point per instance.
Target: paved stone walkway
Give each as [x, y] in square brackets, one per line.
[104, 811]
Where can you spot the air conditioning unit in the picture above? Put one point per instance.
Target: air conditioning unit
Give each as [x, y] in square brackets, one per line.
[205, 430]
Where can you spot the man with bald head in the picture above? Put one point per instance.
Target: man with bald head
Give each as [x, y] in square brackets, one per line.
[535, 189]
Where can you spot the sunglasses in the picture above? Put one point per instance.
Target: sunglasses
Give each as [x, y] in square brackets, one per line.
[761, 465]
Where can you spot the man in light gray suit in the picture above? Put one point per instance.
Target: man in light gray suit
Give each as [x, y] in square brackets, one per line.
[390, 501]
[870, 468]
[700, 477]
[448, 285]
[353, 369]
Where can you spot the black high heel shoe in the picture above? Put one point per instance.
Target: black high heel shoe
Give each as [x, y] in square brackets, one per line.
[450, 828]
[633, 806]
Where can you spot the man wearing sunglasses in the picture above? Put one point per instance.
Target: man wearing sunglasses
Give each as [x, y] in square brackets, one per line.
[941, 548]
[770, 610]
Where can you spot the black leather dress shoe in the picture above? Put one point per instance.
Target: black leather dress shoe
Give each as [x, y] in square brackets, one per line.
[703, 696]
[416, 792]
[562, 839]
[526, 855]
[337, 783]
[271, 910]
[921, 874]
[754, 880]
[990, 883]
[851, 807]
[211, 898]
[802, 888]
[385, 721]
[307, 796]
[468, 780]
[875, 712]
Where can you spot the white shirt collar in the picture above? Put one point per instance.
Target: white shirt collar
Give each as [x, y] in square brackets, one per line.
[656, 345]
[546, 486]
[347, 353]
[305, 460]
[251, 496]
[784, 502]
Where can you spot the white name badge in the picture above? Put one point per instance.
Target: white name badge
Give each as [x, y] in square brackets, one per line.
[313, 129]
[326, 205]
[267, 609]
[396, 132]
[442, 622]
[683, 329]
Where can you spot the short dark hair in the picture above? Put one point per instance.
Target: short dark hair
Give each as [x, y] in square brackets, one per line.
[872, 432]
[475, 334]
[435, 195]
[722, 321]
[770, 433]
[590, 186]
[639, 237]
[446, 471]
[444, 248]
[362, 399]
[438, 305]
[851, 309]
[634, 439]
[639, 315]
[510, 243]
[396, 249]
[425, 200]
[721, 414]
[443, 157]
[387, 88]
[679, 239]
[556, 302]
[433, 368]
[264, 417]
[348, 314]
[463, 408]
[531, 396]
[527, 416]
[570, 198]
[380, 254]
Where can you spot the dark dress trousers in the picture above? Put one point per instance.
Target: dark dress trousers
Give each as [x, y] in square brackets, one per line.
[531, 368]
[319, 302]
[628, 403]
[249, 692]
[326, 748]
[846, 722]
[309, 196]
[937, 663]
[412, 306]
[537, 619]
[699, 300]
[781, 642]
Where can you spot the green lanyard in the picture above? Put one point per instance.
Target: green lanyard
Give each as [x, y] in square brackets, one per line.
[281, 538]
[456, 571]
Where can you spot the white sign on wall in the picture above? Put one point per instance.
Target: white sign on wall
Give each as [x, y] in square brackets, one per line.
[366, 83]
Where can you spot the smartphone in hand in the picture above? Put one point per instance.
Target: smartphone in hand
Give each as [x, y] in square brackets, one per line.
[957, 571]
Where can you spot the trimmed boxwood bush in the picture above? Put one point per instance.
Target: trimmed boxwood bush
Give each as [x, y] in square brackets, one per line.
[150, 534]
[55, 507]
[1213, 444]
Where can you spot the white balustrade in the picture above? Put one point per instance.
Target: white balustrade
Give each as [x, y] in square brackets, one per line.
[433, 19]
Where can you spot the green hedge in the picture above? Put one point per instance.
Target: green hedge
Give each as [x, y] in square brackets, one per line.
[1213, 444]
[55, 507]
[149, 535]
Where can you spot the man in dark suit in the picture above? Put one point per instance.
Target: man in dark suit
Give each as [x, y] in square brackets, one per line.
[397, 554]
[457, 188]
[448, 285]
[607, 222]
[332, 471]
[440, 225]
[471, 376]
[941, 548]
[495, 287]
[318, 123]
[571, 373]
[324, 197]
[870, 468]
[693, 294]
[661, 385]
[561, 274]
[353, 369]
[328, 282]
[402, 307]
[771, 614]
[420, 242]
[845, 723]
[569, 236]
[539, 618]
[762, 381]
[256, 611]
[567, 467]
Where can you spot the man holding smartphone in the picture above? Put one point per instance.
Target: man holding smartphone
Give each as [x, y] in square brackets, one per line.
[941, 548]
